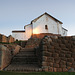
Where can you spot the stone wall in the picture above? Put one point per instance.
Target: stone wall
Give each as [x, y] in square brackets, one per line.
[58, 53]
[10, 39]
[6, 39]
[6, 54]
[0, 38]
[41, 35]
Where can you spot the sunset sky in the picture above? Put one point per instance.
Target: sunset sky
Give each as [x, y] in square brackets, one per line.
[14, 14]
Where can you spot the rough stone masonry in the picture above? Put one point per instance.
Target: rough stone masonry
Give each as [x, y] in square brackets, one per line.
[58, 53]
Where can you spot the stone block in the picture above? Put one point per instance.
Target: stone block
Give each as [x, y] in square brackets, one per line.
[55, 55]
[17, 49]
[73, 50]
[49, 54]
[45, 68]
[44, 58]
[44, 63]
[69, 52]
[65, 49]
[50, 64]
[74, 43]
[57, 48]
[65, 70]
[59, 69]
[64, 41]
[57, 51]
[62, 45]
[70, 59]
[50, 59]
[69, 64]
[62, 62]
[51, 50]
[55, 69]
[68, 55]
[50, 69]
[63, 58]
[73, 64]
[56, 65]
[59, 41]
[68, 46]
[44, 48]
[49, 40]
[63, 52]
[4, 38]
[50, 47]
[62, 66]
[45, 53]
[56, 60]
[73, 55]
[73, 38]
[10, 39]
[56, 45]
[61, 55]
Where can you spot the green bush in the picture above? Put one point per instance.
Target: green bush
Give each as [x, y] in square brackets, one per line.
[4, 43]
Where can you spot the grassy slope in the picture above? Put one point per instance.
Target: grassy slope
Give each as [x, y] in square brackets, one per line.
[38, 73]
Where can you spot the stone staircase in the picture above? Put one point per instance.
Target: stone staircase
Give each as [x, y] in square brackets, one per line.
[24, 61]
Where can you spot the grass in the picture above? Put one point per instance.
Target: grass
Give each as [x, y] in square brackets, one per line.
[37, 73]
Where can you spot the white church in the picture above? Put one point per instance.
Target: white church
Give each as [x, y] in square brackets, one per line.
[42, 24]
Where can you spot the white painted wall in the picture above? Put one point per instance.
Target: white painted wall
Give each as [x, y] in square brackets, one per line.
[28, 31]
[59, 27]
[19, 35]
[64, 32]
[53, 26]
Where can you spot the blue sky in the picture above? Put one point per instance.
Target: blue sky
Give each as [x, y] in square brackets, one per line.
[14, 14]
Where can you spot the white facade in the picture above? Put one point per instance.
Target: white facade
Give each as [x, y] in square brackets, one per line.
[28, 31]
[53, 26]
[43, 24]
[64, 32]
[19, 35]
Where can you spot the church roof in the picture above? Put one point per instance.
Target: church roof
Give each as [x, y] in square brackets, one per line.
[65, 29]
[48, 15]
[18, 31]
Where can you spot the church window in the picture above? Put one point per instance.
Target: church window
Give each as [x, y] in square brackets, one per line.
[46, 27]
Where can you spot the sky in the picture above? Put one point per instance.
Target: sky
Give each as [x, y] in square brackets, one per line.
[15, 14]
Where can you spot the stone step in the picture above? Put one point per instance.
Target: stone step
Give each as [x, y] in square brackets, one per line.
[26, 55]
[22, 68]
[23, 63]
[23, 55]
[24, 60]
[27, 49]
[26, 52]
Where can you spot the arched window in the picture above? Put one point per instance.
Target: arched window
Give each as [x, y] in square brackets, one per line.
[46, 27]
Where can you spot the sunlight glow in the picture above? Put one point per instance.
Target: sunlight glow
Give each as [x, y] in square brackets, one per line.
[35, 31]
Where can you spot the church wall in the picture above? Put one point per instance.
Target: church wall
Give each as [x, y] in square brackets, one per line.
[53, 26]
[28, 31]
[19, 35]
[64, 32]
